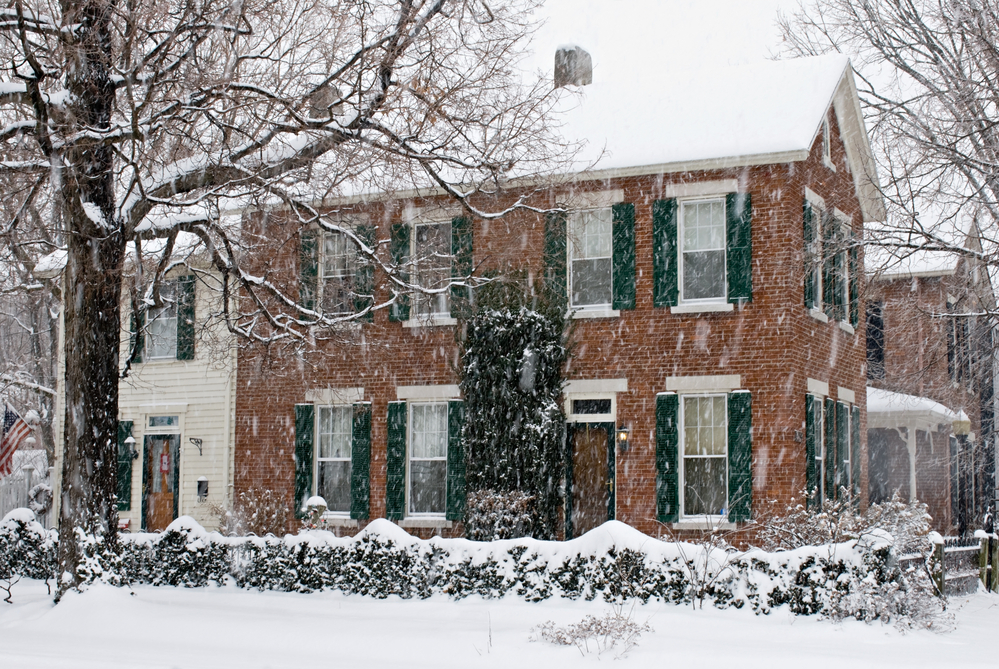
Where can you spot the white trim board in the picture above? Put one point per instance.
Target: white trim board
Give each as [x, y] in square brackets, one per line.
[700, 188]
[818, 387]
[688, 384]
[334, 396]
[595, 386]
[440, 392]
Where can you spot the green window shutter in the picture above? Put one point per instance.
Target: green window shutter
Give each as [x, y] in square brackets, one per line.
[360, 461]
[813, 409]
[555, 255]
[455, 461]
[395, 479]
[364, 279]
[828, 266]
[623, 256]
[665, 282]
[399, 250]
[842, 446]
[811, 301]
[308, 268]
[855, 454]
[137, 329]
[740, 457]
[185, 318]
[829, 464]
[461, 265]
[667, 458]
[124, 466]
[854, 281]
[305, 415]
[739, 247]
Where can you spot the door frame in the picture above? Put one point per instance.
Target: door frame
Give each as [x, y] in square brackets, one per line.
[146, 466]
[570, 429]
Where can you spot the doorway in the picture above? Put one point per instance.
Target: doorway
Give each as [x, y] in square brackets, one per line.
[589, 476]
[160, 479]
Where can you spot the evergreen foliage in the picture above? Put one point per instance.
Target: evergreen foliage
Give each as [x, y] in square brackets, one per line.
[513, 354]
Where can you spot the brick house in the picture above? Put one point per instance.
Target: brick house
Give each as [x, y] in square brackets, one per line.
[931, 360]
[710, 263]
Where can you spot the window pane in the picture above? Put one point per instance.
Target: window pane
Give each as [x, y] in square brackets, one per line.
[334, 485]
[703, 275]
[704, 426]
[704, 226]
[161, 327]
[429, 439]
[591, 282]
[590, 234]
[164, 421]
[334, 432]
[427, 486]
[704, 486]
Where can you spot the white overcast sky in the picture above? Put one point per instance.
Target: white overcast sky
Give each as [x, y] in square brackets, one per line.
[712, 32]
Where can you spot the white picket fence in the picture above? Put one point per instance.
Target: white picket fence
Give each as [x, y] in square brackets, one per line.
[30, 468]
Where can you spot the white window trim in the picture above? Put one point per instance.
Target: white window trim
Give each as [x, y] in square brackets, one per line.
[328, 514]
[827, 145]
[700, 189]
[819, 388]
[593, 389]
[592, 199]
[698, 305]
[702, 308]
[430, 321]
[435, 519]
[147, 334]
[707, 520]
[694, 385]
[585, 311]
[334, 396]
[428, 393]
[818, 314]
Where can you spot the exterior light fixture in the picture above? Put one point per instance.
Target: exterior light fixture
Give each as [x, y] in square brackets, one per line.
[623, 439]
[130, 445]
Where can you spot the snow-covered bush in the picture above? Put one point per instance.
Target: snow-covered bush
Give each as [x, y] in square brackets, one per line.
[614, 631]
[492, 515]
[513, 353]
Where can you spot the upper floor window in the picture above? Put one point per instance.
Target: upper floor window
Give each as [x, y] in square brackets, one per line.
[827, 145]
[432, 259]
[161, 331]
[875, 340]
[832, 265]
[591, 258]
[338, 270]
[702, 236]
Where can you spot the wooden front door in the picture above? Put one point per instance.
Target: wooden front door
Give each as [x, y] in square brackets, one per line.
[159, 481]
[589, 477]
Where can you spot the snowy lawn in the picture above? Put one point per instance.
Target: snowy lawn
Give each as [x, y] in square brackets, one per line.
[107, 627]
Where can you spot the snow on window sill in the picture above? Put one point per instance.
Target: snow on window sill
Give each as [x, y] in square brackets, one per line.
[702, 308]
[338, 520]
[425, 521]
[595, 312]
[704, 524]
[433, 320]
[846, 327]
[818, 315]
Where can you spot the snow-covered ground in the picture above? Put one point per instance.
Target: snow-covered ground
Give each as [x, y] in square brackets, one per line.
[228, 627]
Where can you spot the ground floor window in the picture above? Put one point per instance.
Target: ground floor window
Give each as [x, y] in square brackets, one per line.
[333, 442]
[428, 436]
[705, 455]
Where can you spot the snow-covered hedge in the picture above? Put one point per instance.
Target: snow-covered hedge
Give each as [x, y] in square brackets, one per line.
[614, 562]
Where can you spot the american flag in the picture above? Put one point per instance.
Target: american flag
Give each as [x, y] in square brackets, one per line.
[15, 430]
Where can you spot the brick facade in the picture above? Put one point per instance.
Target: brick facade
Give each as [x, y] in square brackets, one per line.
[771, 342]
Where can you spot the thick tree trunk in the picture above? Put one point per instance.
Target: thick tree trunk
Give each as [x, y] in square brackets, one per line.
[91, 298]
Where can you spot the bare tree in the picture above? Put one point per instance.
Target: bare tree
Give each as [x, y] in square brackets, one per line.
[136, 123]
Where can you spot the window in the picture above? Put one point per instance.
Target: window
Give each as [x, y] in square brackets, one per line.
[875, 340]
[958, 346]
[702, 254]
[333, 450]
[832, 263]
[705, 455]
[432, 259]
[827, 145]
[591, 258]
[835, 278]
[428, 432]
[161, 333]
[338, 269]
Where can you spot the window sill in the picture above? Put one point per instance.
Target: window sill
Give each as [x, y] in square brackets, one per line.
[702, 308]
[847, 328]
[818, 315]
[338, 521]
[417, 522]
[435, 320]
[604, 312]
[704, 525]
[828, 163]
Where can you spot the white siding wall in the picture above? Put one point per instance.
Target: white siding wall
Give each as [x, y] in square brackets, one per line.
[202, 393]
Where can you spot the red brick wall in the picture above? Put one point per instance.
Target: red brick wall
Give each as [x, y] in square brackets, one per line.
[771, 342]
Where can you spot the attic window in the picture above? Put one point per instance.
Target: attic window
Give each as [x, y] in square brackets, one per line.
[827, 146]
[573, 67]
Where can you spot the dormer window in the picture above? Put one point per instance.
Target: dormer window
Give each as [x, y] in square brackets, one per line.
[827, 146]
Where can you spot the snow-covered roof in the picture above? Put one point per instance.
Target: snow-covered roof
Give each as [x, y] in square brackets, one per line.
[890, 409]
[50, 266]
[656, 107]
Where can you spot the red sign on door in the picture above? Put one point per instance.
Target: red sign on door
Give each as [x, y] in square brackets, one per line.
[164, 463]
